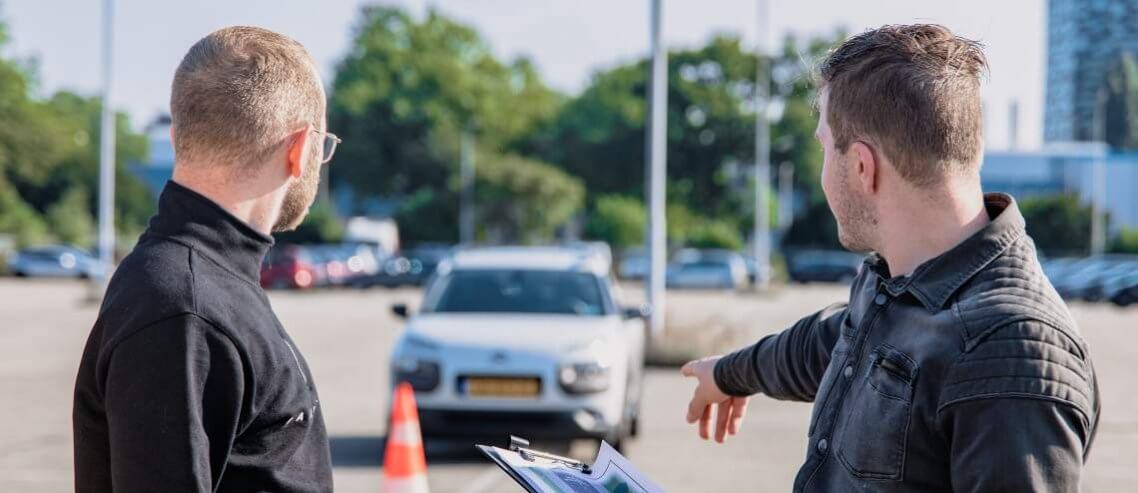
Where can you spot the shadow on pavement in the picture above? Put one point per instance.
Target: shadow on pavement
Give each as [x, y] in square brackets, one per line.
[367, 451]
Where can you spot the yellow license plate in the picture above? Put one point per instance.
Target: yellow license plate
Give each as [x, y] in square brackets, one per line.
[502, 387]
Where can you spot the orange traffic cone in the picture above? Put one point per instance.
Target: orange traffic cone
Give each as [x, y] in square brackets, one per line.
[404, 462]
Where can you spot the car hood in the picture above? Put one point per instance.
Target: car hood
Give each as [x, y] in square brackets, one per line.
[554, 334]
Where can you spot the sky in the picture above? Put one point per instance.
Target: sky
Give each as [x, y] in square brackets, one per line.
[568, 39]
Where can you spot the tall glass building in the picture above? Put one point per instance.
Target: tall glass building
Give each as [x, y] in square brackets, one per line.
[1084, 38]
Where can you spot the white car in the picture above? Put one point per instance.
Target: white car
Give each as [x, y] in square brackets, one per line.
[528, 341]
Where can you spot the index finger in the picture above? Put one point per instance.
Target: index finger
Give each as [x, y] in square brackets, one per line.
[688, 370]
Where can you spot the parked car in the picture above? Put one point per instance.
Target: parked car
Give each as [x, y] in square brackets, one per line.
[54, 261]
[634, 265]
[1109, 281]
[411, 268]
[1121, 289]
[707, 269]
[823, 266]
[291, 267]
[523, 340]
[1082, 278]
[1126, 296]
[333, 261]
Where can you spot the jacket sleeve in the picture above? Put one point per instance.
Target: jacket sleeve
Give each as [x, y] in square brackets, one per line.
[788, 365]
[1012, 444]
[1019, 411]
[173, 394]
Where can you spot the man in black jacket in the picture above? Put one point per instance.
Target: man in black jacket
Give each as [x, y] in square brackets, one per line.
[954, 366]
[188, 381]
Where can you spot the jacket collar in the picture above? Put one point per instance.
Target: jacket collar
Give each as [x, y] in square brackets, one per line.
[189, 217]
[936, 280]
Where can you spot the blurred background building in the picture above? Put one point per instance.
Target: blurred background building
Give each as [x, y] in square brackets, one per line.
[1090, 42]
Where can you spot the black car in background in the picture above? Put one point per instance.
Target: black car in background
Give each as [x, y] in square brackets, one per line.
[823, 265]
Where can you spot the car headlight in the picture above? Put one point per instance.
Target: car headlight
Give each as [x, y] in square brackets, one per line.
[583, 378]
[423, 375]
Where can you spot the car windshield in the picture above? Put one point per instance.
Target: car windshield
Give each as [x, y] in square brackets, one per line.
[517, 291]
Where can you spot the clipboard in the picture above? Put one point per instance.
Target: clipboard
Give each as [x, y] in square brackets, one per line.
[542, 472]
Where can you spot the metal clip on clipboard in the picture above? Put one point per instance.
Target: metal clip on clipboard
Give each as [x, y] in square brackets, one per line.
[521, 446]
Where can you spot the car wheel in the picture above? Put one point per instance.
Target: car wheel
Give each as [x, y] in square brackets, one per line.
[20, 273]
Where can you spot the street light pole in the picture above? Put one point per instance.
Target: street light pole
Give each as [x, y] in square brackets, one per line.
[466, 199]
[655, 177]
[762, 247]
[107, 152]
[1098, 178]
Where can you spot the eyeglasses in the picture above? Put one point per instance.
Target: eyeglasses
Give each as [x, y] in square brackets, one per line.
[328, 146]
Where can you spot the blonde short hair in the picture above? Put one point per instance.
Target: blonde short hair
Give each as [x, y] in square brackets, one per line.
[239, 92]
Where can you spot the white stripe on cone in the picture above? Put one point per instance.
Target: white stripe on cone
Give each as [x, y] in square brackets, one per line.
[413, 484]
[405, 433]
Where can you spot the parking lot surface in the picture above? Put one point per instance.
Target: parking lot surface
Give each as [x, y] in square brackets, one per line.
[346, 336]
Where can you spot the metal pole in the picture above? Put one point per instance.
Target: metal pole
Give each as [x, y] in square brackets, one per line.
[1013, 125]
[762, 247]
[1098, 179]
[466, 206]
[107, 152]
[785, 195]
[657, 166]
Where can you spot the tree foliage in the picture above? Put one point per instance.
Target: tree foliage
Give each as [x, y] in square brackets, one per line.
[1059, 224]
[401, 99]
[49, 163]
[619, 220]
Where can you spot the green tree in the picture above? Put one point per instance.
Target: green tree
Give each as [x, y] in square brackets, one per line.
[1125, 242]
[599, 135]
[49, 162]
[401, 99]
[521, 200]
[716, 234]
[70, 219]
[619, 220]
[18, 219]
[320, 226]
[1059, 224]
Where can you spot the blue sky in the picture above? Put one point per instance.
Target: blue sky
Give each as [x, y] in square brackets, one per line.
[568, 39]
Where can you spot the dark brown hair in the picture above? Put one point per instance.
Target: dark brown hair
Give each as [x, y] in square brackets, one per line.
[913, 92]
[239, 92]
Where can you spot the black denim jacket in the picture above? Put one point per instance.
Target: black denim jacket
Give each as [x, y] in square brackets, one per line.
[968, 375]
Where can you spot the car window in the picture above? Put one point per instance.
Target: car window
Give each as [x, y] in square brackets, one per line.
[517, 291]
[703, 265]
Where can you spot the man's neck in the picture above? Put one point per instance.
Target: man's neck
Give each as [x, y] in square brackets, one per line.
[242, 201]
[924, 225]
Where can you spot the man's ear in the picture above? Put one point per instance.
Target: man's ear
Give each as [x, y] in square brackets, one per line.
[868, 168]
[297, 150]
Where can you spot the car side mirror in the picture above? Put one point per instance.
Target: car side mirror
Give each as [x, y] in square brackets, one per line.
[631, 312]
[399, 309]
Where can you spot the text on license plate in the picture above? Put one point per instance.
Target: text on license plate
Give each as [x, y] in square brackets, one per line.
[502, 387]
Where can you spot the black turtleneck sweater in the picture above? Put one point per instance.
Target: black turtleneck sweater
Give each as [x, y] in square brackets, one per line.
[188, 381]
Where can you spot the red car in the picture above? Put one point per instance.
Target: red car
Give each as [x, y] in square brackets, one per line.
[289, 267]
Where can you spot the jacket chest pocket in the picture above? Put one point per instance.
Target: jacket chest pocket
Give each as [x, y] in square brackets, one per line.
[876, 427]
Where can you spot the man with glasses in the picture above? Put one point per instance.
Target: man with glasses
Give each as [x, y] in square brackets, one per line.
[188, 381]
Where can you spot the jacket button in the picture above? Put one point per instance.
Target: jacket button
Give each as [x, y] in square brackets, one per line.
[848, 371]
[880, 299]
[823, 445]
